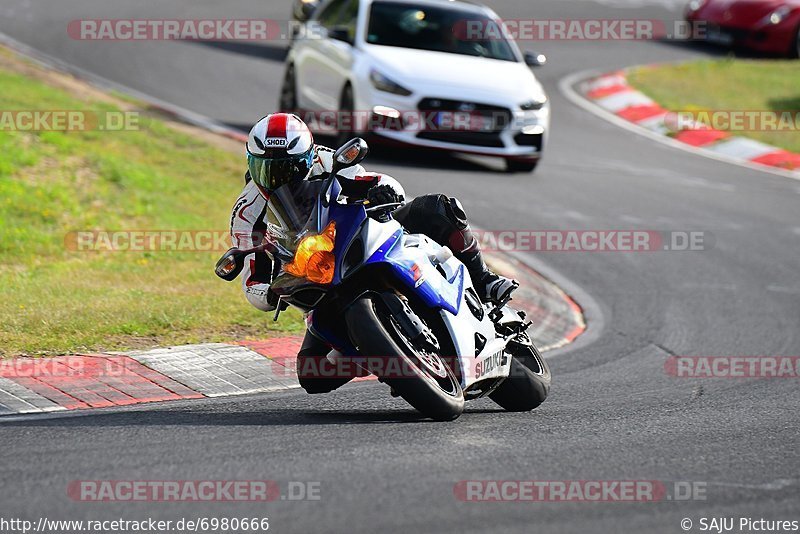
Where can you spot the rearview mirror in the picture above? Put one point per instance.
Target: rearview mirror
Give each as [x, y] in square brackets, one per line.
[350, 154]
[230, 264]
[532, 59]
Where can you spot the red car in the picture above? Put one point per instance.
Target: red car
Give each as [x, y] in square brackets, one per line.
[771, 26]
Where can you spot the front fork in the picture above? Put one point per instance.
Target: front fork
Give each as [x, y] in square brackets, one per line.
[409, 322]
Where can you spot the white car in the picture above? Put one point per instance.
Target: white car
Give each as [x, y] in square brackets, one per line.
[430, 73]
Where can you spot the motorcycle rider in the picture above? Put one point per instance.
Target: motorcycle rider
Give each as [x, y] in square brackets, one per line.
[281, 149]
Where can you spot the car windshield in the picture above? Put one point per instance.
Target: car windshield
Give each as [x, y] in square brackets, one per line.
[436, 29]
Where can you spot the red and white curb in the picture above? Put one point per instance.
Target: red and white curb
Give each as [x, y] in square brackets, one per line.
[80, 382]
[612, 94]
[31, 385]
[557, 319]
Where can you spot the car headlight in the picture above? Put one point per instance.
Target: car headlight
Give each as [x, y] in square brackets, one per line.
[534, 104]
[778, 16]
[382, 83]
[694, 5]
[528, 116]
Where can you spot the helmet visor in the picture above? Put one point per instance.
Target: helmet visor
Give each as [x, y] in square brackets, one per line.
[271, 173]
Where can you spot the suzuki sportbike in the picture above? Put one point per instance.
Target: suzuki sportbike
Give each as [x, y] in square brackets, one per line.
[394, 304]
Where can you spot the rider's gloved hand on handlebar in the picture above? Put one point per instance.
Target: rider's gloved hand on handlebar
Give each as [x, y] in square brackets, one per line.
[382, 194]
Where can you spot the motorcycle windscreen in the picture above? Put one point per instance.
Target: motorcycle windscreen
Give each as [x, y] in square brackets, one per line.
[294, 210]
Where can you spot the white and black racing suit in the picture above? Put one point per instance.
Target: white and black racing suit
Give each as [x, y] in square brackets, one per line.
[248, 226]
[439, 217]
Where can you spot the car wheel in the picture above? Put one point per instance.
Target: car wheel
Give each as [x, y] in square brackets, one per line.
[521, 165]
[346, 107]
[794, 51]
[288, 100]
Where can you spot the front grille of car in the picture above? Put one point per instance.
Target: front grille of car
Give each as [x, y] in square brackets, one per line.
[714, 32]
[498, 118]
[502, 116]
[738, 34]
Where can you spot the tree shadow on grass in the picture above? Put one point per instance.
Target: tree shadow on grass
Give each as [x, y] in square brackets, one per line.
[779, 105]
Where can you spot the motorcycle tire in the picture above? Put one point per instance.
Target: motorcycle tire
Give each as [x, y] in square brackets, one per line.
[528, 383]
[373, 332]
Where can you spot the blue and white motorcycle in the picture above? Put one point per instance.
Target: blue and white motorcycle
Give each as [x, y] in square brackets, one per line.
[397, 305]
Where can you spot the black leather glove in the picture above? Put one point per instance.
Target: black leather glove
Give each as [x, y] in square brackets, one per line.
[382, 194]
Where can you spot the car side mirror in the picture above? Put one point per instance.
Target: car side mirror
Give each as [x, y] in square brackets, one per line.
[350, 154]
[230, 265]
[340, 33]
[532, 59]
[305, 8]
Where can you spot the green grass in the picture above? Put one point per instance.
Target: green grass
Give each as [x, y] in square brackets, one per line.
[55, 300]
[728, 84]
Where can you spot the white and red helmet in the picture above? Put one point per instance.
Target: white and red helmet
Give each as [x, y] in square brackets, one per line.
[280, 149]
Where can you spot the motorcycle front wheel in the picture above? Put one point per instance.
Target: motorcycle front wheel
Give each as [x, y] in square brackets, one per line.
[420, 377]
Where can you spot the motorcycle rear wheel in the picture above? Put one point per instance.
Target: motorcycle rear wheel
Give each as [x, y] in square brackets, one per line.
[528, 383]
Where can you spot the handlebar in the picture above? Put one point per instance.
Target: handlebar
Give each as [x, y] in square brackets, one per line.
[391, 205]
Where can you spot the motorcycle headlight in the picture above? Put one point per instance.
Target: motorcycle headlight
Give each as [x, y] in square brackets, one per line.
[382, 83]
[314, 258]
